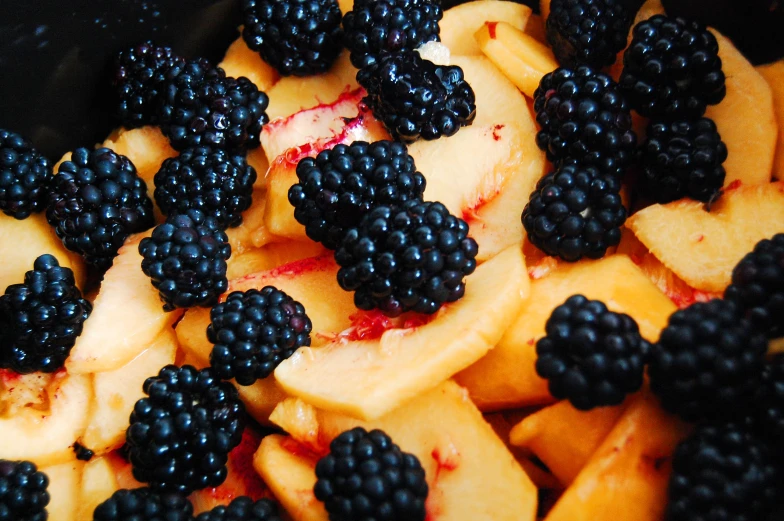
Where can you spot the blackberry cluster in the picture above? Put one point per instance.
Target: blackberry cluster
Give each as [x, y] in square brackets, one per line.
[366, 476]
[243, 509]
[216, 182]
[374, 28]
[254, 331]
[143, 504]
[672, 69]
[185, 258]
[414, 98]
[575, 212]
[409, 258]
[296, 37]
[180, 436]
[96, 201]
[41, 318]
[23, 492]
[339, 186]
[769, 404]
[24, 176]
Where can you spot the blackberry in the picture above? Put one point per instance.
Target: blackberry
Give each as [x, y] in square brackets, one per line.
[366, 476]
[142, 504]
[414, 98]
[254, 331]
[217, 182]
[180, 436]
[185, 258]
[374, 28]
[243, 508]
[24, 176]
[339, 186]
[708, 362]
[23, 494]
[43, 316]
[575, 212]
[96, 201]
[758, 286]
[672, 69]
[584, 117]
[296, 37]
[769, 404]
[409, 258]
[682, 158]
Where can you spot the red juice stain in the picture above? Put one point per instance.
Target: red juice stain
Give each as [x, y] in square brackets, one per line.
[243, 478]
[733, 185]
[491, 29]
[299, 450]
[496, 132]
[8, 376]
[370, 325]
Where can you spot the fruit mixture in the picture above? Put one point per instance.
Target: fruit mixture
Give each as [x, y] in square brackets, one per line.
[389, 262]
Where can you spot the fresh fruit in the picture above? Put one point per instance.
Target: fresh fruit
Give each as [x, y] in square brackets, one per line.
[23, 491]
[648, 9]
[774, 75]
[243, 509]
[270, 256]
[293, 94]
[461, 22]
[97, 485]
[64, 482]
[768, 412]
[241, 61]
[24, 176]
[130, 505]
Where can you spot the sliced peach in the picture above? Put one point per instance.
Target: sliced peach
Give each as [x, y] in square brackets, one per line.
[774, 75]
[544, 9]
[535, 27]
[241, 61]
[97, 485]
[271, 256]
[258, 160]
[462, 21]
[252, 232]
[64, 497]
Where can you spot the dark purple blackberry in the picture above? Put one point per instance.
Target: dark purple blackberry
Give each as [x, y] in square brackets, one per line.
[180, 436]
[409, 258]
[142, 504]
[769, 405]
[216, 182]
[758, 286]
[339, 186]
[414, 98]
[82, 453]
[254, 331]
[23, 494]
[575, 212]
[185, 258]
[365, 476]
[243, 509]
[24, 176]
[672, 69]
[96, 201]
[708, 362]
[43, 316]
[296, 37]
[584, 117]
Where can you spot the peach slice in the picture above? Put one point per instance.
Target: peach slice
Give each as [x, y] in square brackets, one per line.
[271, 256]
[774, 75]
[241, 61]
[251, 233]
[535, 28]
[98, 484]
[462, 21]
[64, 497]
[544, 9]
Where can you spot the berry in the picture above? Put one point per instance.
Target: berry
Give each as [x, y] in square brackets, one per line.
[180, 436]
[216, 182]
[254, 331]
[575, 212]
[409, 258]
[185, 258]
[296, 37]
[769, 404]
[43, 316]
[96, 201]
[142, 504]
[23, 494]
[24, 176]
[339, 186]
[243, 508]
[672, 69]
[366, 476]
[414, 98]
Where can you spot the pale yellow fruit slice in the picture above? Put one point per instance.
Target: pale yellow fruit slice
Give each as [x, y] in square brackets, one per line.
[64, 499]
[98, 484]
[462, 21]
[241, 61]
[774, 74]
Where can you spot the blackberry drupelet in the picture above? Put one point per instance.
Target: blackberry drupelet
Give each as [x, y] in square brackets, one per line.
[769, 405]
[216, 182]
[366, 476]
[43, 316]
[142, 504]
[296, 37]
[339, 186]
[24, 176]
[180, 436]
[708, 362]
[414, 98]
[23, 494]
[185, 258]
[243, 509]
[254, 331]
[409, 258]
[575, 212]
[672, 69]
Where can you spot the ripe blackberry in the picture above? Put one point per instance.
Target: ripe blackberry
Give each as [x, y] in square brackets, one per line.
[409, 258]
[216, 182]
[243, 508]
[254, 331]
[185, 258]
[43, 316]
[339, 186]
[366, 476]
[708, 362]
[142, 504]
[24, 176]
[584, 117]
[672, 69]
[575, 212]
[96, 201]
[180, 436]
[296, 37]
[23, 494]
[758, 286]
[414, 98]
[769, 404]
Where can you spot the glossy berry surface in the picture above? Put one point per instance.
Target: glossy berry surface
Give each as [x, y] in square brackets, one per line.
[143, 504]
[243, 509]
[24, 176]
[23, 492]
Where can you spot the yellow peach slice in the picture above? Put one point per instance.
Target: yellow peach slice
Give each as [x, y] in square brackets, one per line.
[64, 498]
[774, 75]
[97, 485]
[271, 256]
[251, 232]
[241, 61]
[462, 21]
